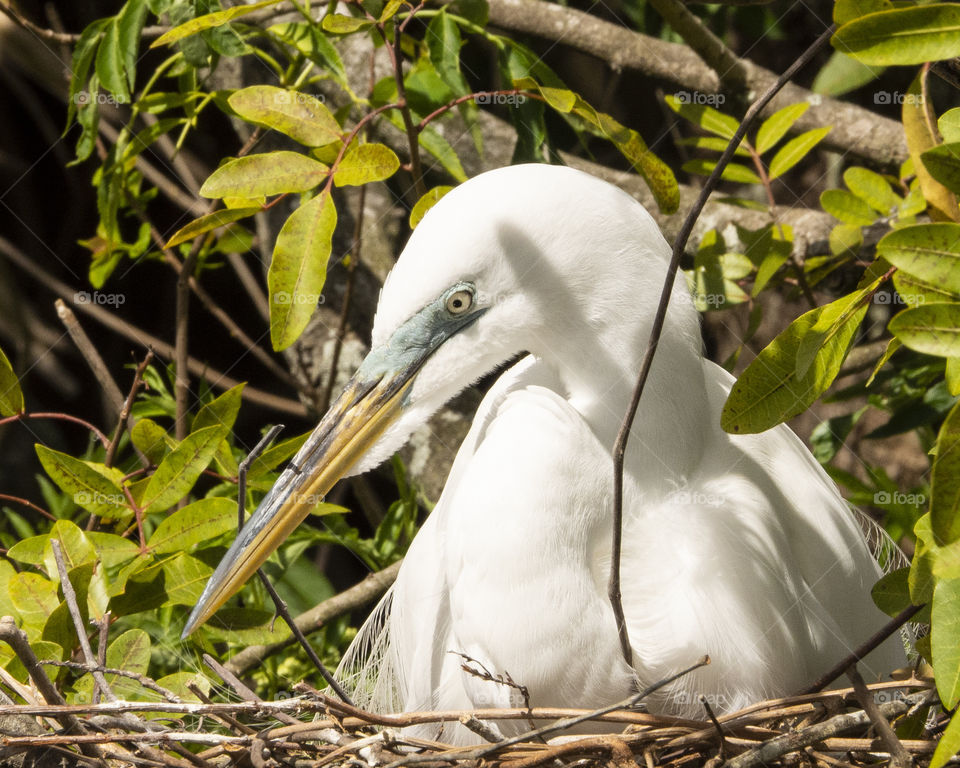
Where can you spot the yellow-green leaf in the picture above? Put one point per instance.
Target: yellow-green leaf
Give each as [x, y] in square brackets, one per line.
[221, 411]
[425, 203]
[208, 21]
[848, 10]
[949, 125]
[933, 329]
[945, 481]
[151, 439]
[270, 173]
[902, 36]
[34, 597]
[919, 130]
[298, 115]
[11, 396]
[340, 24]
[704, 116]
[948, 745]
[930, 252]
[795, 150]
[943, 163]
[197, 522]
[180, 469]
[210, 222]
[90, 489]
[776, 126]
[872, 188]
[833, 319]
[363, 163]
[298, 269]
[732, 172]
[769, 391]
[915, 292]
[944, 630]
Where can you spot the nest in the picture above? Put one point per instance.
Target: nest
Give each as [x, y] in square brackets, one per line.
[830, 728]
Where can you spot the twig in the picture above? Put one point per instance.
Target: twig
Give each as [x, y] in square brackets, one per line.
[90, 354]
[102, 637]
[181, 352]
[59, 417]
[859, 653]
[70, 597]
[28, 504]
[721, 736]
[242, 690]
[368, 590]
[619, 449]
[278, 601]
[125, 411]
[145, 681]
[899, 757]
[413, 135]
[770, 750]
[560, 725]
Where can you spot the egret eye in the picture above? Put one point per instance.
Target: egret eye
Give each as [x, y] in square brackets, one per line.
[459, 302]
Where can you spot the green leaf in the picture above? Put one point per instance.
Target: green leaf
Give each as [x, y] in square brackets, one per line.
[902, 36]
[847, 207]
[949, 125]
[270, 173]
[843, 74]
[732, 172]
[945, 481]
[948, 744]
[892, 346]
[131, 653]
[184, 578]
[930, 252]
[180, 469]
[943, 163]
[313, 44]
[298, 115]
[197, 522]
[769, 391]
[872, 188]
[339, 24]
[34, 597]
[706, 117]
[845, 239]
[11, 396]
[795, 150]
[210, 222]
[443, 46]
[714, 144]
[221, 411]
[298, 269]
[363, 163]
[833, 319]
[776, 126]
[933, 329]
[425, 203]
[83, 55]
[129, 25]
[848, 10]
[91, 489]
[915, 292]
[439, 148]
[944, 630]
[151, 439]
[110, 64]
[208, 21]
[892, 593]
[921, 136]
[112, 550]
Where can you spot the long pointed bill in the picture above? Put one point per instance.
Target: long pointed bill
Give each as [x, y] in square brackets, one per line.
[371, 401]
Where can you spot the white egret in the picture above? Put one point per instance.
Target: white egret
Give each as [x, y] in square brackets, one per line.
[739, 547]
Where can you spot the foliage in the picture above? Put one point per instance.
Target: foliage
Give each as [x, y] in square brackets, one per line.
[142, 516]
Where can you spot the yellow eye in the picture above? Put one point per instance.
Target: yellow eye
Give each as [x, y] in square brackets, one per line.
[459, 302]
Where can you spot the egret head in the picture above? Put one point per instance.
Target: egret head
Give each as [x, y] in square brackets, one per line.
[536, 258]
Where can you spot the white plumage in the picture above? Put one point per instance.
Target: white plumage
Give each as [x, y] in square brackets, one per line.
[739, 547]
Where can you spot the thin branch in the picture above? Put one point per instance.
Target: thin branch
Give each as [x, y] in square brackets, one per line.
[90, 354]
[899, 757]
[620, 446]
[181, 352]
[125, 410]
[28, 504]
[58, 417]
[867, 647]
